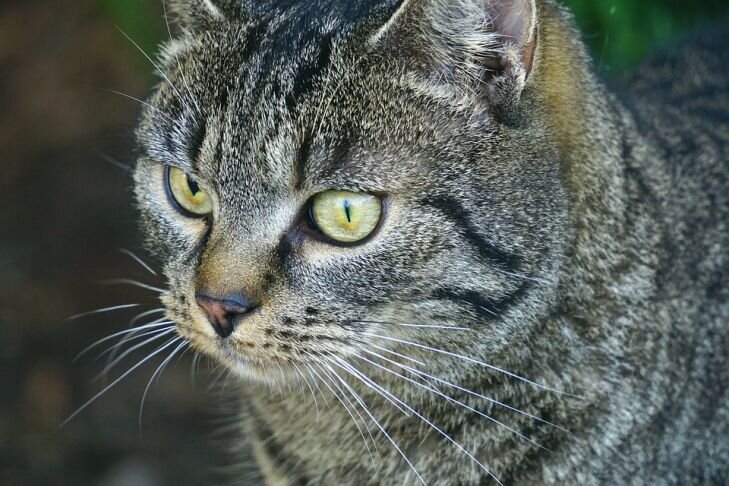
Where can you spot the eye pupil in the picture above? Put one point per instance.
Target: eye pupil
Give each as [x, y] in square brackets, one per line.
[346, 211]
[194, 187]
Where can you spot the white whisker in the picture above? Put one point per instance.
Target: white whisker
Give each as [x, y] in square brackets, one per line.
[141, 102]
[417, 326]
[450, 399]
[179, 65]
[384, 432]
[112, 336]
[104, 390]
[156, 66]
[133, 335]
[157, 372]
[344, 405]
[130, 254]
[465, 390]
[471, 360]
[313, 396]
[112, 350]
[316, 384]
[141, 316]
[101, 311]
[433, 426]
[371, 384]
[134, 283]
[523, 277]
[126, 353]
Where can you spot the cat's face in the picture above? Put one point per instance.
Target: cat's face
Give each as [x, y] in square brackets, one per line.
[313, 189]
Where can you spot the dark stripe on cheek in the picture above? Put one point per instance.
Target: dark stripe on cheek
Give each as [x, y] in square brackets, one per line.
[453, 210]
[485, 307]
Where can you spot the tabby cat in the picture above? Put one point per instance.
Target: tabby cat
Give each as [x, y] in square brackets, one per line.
[436, 249]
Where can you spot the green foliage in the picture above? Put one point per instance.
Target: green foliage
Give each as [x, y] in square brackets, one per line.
[141, 20]
[619, 32]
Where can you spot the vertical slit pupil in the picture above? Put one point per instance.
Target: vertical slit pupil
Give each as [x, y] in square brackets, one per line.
[346, 211]
[193, 185]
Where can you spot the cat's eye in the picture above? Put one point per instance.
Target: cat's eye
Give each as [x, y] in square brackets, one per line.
[346, 216]
[187, 194]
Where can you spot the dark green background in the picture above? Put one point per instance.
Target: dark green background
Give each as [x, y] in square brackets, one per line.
[66, 211]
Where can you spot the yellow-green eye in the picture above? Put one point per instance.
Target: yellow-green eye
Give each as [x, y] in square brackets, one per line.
[187, 193]
[346, 216]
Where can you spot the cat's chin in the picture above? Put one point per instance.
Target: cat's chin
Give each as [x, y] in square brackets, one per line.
[259, 370]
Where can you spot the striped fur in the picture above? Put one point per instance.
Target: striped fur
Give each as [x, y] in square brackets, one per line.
[551, 258]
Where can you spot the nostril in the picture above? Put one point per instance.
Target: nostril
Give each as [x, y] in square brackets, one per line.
[224, 313]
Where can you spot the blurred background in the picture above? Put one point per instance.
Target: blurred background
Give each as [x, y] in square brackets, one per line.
[67, 143]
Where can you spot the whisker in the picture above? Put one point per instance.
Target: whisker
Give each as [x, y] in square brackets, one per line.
[162, 321]
[134, 283]
[450, 399]
[434, 427]
[126, 353]
[141, 102]
[465, 390]
[316, 384]
[133, 335]
[303, 393]
[109, 337]
[116, 163]
[408, 358]
[472, 360]
[371, 384]
[157, 372]
[101, 311]
[421, 326]
[344, 405]
[106, 388]
[177, 59]
[313, 396]
[194, 368]
[384, 432]
[141, 316]
[156, 66]
[356, 423]
[134, 257]
[523, 277]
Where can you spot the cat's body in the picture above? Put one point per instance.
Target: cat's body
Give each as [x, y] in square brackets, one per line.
[582, 240]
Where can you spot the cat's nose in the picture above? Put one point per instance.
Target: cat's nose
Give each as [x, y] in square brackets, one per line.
[224, 313]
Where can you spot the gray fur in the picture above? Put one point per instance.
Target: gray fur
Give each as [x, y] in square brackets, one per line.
[581, 239]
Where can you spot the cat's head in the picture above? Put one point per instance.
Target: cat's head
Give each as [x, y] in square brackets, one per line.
[332, 178]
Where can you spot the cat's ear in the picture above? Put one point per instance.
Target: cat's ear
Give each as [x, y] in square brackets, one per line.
[487, 46]
[203, 14]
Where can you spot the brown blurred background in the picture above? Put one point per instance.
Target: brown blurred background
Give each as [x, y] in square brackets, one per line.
[66, 209]
[65, 212]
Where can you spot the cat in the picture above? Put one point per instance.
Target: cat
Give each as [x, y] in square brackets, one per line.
[436, 249]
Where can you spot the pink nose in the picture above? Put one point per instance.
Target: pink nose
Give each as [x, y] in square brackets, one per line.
[225, 313]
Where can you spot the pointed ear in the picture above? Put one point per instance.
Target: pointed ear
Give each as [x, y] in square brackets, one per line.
[485, 46]
[203, 14]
